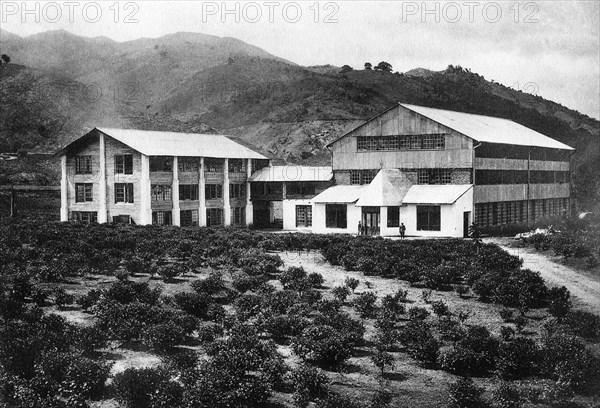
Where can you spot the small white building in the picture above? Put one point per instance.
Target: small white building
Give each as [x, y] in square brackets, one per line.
[379, 208]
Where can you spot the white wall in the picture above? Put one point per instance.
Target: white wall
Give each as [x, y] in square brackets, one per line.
[289, 215]
[353, 216]
[451, 218]
[386, 231]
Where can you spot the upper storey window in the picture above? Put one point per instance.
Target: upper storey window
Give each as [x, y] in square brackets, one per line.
[188, 164]
[83, 165]
[237, 166]
[401, 142]
[124, 164]
[159, 163]
[213, 165]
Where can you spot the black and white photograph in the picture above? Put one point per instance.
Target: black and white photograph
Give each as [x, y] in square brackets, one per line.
[300, 204]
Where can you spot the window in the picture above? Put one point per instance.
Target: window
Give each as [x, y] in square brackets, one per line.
[237, 190]
[303, 216]
[85, 217]
[213, 191]
[401, 142]
[188, 218]
[187, 164]
[237, 166]
[83, 165]
[214, 216]
[258, 164]
[434, 176]
[238, 215]
[124, 164]
[160, 163]
[428, 217]
[123, 192]
[188, 192]
[213, 166]
[300, 189]
[161, 192]
[83, 192]
[335, 216]
[393, 216]
[362, 176]
[162, 218]
[122, 219]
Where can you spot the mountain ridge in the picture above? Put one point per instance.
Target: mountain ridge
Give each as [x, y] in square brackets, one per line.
[186, 81]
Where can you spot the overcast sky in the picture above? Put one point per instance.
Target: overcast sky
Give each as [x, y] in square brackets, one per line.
[551, 48]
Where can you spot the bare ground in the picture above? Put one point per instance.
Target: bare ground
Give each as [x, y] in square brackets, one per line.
[584, 288]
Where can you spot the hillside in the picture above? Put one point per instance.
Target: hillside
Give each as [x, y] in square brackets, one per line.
[188, 81]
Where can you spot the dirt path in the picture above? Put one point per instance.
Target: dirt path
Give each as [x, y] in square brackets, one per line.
[585, 292]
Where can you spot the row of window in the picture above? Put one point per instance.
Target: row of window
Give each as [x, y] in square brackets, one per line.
[424, 176]
[335, 216]
[515, 212]
[189, 218]
[124, 192]
[362, 176]
[428, 217]
[434, 176]
[488, 177]
[124, 164]
[501, 151]
[401, 142]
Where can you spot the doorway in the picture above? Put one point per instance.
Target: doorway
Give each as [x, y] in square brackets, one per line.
[370, 220]
[466, 223]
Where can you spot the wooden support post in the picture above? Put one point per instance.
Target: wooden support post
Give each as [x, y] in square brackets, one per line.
[12, 201]
[226, 200]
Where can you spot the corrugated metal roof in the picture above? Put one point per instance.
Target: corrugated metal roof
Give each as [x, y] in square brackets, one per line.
[156, 143]
[339, 194]
[487, 128]
[293, 173]
[435, 194]
[387, 189]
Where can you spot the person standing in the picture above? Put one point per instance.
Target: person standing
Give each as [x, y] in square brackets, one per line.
[402, 230]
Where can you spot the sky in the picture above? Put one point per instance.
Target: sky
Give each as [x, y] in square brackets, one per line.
[549, 48]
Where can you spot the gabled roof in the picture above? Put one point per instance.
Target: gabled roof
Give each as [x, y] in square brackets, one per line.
[435, 194]
[293, 173]
[158, 143]
[487, 128]
[339, 195]
[387, 189]
[481, 128]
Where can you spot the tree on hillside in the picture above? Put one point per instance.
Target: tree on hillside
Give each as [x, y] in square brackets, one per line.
[5, 58]
[368, 66]
[346, 68]
[384, 67]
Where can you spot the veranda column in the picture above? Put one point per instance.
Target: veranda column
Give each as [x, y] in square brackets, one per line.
[202, 195]
[64, 190]
[249, 207]
[226, 202]
[145, 205]
[176, 210]
[102, 211]
[383, 215]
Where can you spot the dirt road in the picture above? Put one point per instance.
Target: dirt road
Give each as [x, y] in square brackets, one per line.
[585, 292]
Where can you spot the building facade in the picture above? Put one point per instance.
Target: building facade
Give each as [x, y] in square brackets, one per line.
[432, 171]
[161, 178]
[437, 171]
[281, 195]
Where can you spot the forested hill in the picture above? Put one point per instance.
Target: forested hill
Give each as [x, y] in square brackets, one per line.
[194, 82]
